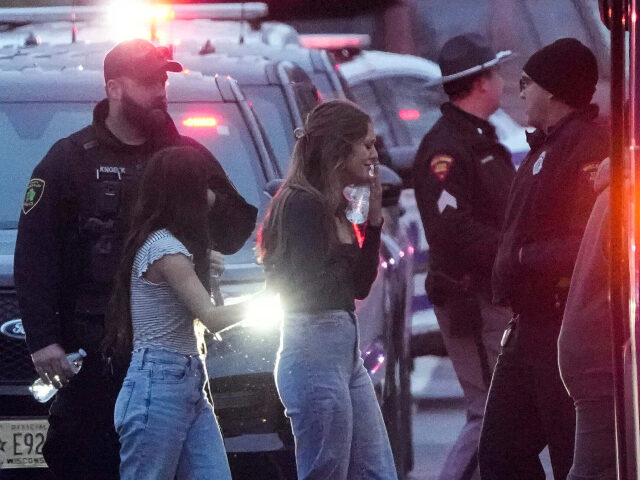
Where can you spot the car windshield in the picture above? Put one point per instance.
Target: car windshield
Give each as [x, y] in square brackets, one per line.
[29, 130]
[271, 107]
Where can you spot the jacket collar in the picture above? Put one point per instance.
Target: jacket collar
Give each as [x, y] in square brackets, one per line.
[468, 122]
[167, 134]
[538, 137]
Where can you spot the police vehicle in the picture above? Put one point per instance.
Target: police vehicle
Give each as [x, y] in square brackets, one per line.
[36, 109]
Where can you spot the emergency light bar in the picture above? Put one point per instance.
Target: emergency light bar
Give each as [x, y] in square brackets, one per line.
[335, 41]
[220, 11]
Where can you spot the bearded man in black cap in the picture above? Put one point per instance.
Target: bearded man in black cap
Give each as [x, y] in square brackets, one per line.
[70, 239]
[549, 204]
[462, 176]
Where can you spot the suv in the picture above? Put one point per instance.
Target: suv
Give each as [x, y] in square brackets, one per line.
[36, 109]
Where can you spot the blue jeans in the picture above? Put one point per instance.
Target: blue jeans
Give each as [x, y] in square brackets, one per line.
[329, 398]
[166, 426]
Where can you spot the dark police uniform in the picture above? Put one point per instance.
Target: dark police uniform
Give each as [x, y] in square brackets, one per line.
[462, 176]
[70, 238]
[549, 205]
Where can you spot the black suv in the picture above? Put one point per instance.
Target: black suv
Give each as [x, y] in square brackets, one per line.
[36, 109]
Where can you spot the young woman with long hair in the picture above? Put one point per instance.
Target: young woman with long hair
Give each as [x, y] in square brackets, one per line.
[313, 260]
[166, 426]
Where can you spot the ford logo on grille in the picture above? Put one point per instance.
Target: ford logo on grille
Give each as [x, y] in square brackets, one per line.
[13, 329]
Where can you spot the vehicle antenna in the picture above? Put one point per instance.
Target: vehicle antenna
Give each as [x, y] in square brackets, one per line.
[241, 39]
[74, 28]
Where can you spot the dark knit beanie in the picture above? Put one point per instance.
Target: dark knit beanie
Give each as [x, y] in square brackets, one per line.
[567, 69]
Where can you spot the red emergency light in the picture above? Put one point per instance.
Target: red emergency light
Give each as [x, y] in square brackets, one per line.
[200, 122]
[409, 114]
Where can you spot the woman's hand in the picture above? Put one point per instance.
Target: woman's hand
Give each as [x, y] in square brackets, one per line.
[375, 199]
[344, 230]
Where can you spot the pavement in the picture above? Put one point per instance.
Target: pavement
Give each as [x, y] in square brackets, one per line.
[438, 410]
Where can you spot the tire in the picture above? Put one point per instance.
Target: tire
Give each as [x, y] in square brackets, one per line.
[396, 403]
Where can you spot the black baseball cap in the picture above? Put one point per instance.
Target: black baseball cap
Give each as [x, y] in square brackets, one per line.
[138, 59]
[468, 54]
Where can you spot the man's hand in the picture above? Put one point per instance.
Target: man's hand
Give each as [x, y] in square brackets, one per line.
[216, 262]
[52, 365]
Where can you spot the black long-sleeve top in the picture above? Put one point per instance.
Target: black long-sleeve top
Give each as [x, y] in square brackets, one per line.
[314, 276]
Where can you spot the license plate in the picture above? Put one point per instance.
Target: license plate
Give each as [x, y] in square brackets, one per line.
[21, 443]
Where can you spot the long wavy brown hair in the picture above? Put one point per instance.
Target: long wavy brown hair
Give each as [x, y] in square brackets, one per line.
[173, 195]
[319, 157]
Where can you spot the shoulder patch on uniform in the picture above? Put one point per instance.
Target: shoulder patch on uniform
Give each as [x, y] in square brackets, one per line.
[34, 193]
[590, 170]
[441, 166]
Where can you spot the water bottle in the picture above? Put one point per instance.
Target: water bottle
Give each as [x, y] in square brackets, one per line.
[358, 196]
[43, 392]
[358, 208]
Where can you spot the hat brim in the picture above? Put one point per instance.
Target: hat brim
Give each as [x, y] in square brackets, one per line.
[173, 66]
[501, 57]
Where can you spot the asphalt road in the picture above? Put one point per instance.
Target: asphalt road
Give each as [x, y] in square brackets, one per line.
[438, 414]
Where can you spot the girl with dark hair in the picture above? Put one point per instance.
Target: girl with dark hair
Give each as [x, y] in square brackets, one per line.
[166, 426]
[313, 260]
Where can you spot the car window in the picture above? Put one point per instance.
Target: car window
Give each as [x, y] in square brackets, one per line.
[415, 107]
[229, 140]
[272, 110]
[29, 131]
[365, 96]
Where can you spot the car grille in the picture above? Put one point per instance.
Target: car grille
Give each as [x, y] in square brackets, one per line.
[15, 362]
[248, 404]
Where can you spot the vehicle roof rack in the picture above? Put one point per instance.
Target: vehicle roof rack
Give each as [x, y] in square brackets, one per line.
[219, 11]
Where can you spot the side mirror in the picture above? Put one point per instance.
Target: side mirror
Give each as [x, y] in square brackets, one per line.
[272, 187]
[391, 186]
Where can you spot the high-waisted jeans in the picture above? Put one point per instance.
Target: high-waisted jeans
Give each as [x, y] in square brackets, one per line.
[166, 425]
[329, 398]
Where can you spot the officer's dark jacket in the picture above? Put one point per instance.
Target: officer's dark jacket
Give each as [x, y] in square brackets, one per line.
[549, 205]
[71, 237]
[462, 176]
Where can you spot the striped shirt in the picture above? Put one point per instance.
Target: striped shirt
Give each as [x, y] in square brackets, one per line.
[158, 316]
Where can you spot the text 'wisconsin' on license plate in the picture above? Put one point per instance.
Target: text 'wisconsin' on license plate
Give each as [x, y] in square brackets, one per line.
[21, 442]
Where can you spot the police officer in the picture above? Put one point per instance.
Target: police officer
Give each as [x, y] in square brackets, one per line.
[549, 204]
[69, 243]
[462, 176]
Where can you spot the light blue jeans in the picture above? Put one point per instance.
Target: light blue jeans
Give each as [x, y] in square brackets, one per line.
[329, 398]
[166, 425]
